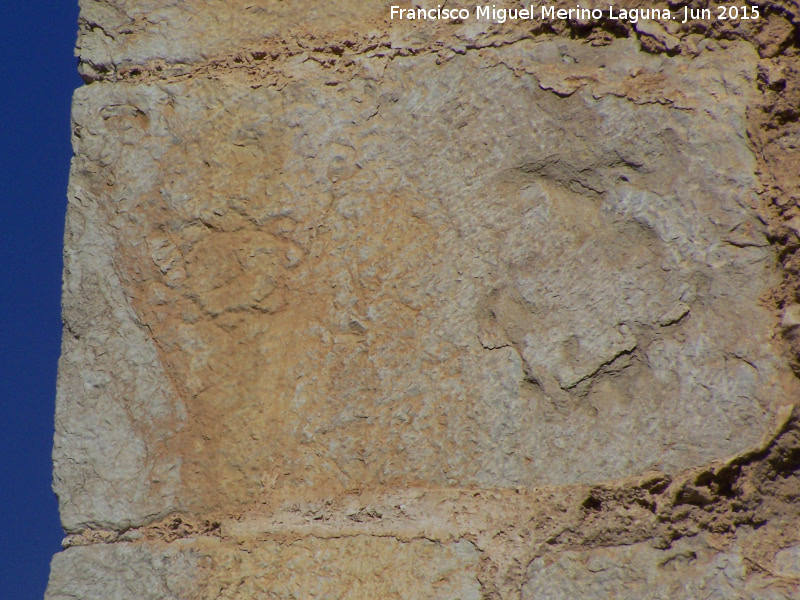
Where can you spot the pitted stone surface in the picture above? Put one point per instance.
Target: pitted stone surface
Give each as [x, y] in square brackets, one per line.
[123, 571]
[688, 571]
[435, 311]
[115, 406]
[496, 290]
[349, 568]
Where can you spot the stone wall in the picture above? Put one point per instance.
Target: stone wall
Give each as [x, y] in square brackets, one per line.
[360, 308]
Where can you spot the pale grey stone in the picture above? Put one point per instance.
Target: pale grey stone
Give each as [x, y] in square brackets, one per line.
[690, 570]
[123, 572]
[529, 263]
[787, 562]
[114, 406]
[612, 290]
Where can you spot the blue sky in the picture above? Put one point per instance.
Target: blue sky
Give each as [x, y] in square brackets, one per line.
[37, 76]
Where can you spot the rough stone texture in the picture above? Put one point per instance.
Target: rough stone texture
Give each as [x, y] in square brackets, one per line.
[115, 406]
[352, 568]
[689, 570]
[124, 571]
[430, 311]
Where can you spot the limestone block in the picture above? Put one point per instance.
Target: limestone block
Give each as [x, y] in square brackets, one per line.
[346, 568]
[122, 33]
[690, 570]
[429, 310]
[122, 572]
[451, 276]
[115, 405]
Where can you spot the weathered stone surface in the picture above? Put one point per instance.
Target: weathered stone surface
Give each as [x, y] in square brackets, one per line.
[416, 317]
[124, 571]
[351, 568]
[115, 407]
[690, 570]
[563, 305]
